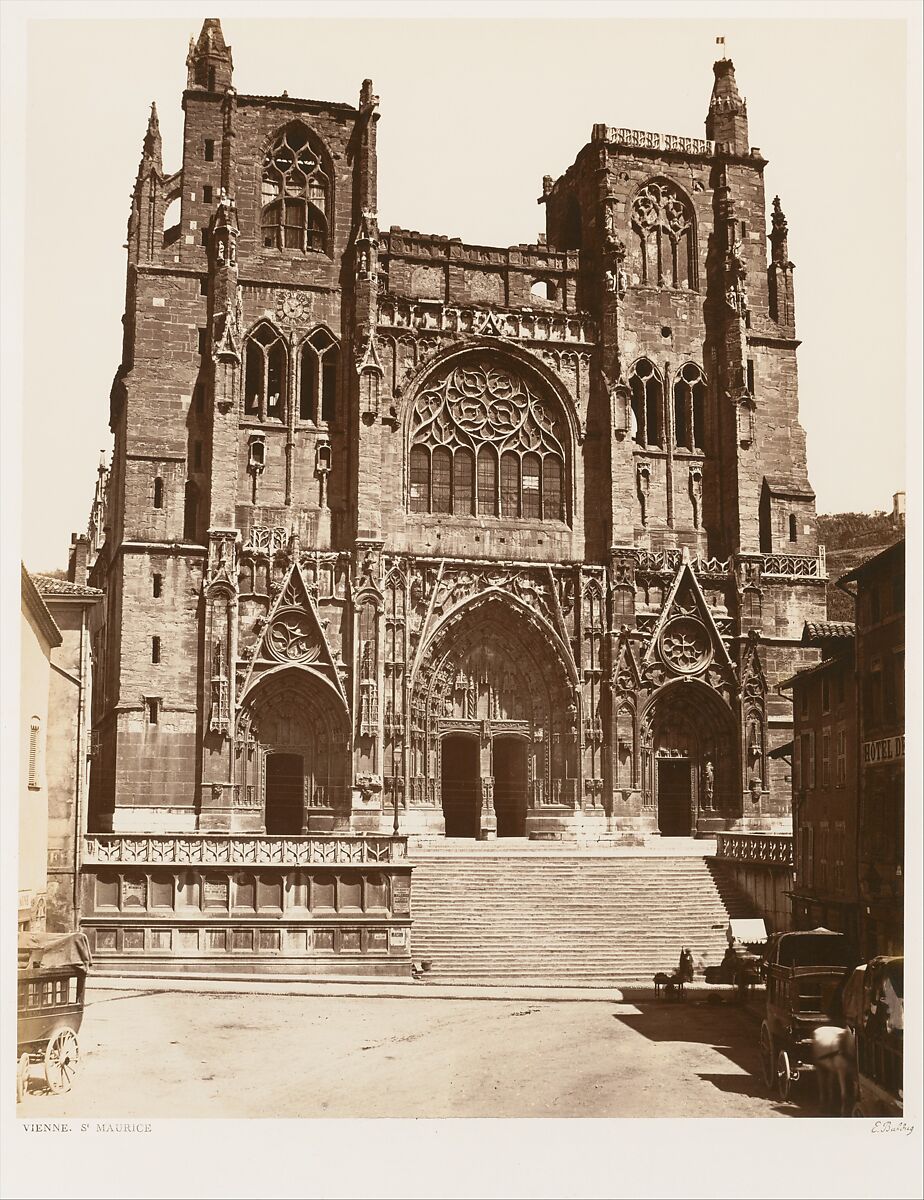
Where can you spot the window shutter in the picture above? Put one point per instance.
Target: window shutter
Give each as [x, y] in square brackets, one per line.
[810, 765]
[35, 726]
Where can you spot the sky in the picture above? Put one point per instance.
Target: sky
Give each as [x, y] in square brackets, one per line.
[473, 114]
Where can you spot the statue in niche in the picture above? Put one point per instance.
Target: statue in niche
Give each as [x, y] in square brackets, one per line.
[709, 785]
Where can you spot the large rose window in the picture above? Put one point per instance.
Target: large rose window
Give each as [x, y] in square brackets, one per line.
[482, 444]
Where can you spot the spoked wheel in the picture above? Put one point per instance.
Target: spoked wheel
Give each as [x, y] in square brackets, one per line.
[767, 1057]
[785, 1077]
[22, 1076]
[62, 1057]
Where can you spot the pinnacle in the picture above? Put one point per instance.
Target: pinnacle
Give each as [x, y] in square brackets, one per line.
[211, 37]
[152, 141]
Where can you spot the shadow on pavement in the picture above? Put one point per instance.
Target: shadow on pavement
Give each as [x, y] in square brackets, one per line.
[724, 1027]
[748, 1085]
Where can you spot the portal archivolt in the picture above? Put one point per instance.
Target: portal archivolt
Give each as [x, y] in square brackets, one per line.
[491, 675]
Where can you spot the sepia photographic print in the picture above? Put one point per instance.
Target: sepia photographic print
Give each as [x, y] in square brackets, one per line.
[458, 459]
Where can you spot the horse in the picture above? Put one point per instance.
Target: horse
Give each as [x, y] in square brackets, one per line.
[834, 1056]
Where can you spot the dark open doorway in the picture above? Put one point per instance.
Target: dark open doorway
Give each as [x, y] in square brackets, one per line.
[675, 798]
[460, 786]
[285, 790]
[510, 786]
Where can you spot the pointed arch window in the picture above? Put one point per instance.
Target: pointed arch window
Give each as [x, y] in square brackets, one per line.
[318, 378]
[482, 443]
[689, 407]
[647, 402]
[662, 219]
[295, 194]
[266, 372]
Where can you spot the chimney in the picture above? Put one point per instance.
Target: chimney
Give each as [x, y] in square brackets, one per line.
[77, 562]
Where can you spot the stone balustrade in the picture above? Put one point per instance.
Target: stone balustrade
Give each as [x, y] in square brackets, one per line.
[520, 325]
[768, 849]
[242, 849]
[642, 139]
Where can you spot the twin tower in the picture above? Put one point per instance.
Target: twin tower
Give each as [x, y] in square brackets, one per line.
[402, 533]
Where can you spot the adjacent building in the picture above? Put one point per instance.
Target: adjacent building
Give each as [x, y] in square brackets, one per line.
[824, 804]
[848, 759]
[879, 586]
[38, 639]
[76, 609]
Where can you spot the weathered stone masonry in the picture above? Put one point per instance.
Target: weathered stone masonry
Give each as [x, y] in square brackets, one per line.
[404, 532]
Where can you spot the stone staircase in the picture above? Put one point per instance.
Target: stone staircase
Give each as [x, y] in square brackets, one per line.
[584, 917]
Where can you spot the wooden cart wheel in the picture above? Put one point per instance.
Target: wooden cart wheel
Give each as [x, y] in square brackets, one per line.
[62, 1056]
[784, 1075]
[22, 1077]
[767, 1057]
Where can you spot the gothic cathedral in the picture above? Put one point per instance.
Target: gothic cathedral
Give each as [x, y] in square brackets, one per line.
[458, 541]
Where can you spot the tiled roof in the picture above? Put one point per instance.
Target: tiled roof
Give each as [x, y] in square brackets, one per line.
[49, 585]
[828, 629]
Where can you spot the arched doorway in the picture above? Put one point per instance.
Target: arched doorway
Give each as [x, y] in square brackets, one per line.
[495, 721]
[292, 760]
[690, 760]
[459, 785]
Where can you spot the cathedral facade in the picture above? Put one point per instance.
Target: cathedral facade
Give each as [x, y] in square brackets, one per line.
[404, 534]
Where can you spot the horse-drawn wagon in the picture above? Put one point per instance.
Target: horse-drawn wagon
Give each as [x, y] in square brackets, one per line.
[51, 981]
[874, 1012]
[805, 971]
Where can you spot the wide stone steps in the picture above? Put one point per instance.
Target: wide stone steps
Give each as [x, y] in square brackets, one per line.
[593, 918]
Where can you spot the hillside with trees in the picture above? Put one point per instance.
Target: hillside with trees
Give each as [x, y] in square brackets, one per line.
[850, 539]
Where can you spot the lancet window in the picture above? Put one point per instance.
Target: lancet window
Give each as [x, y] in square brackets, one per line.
[266, 360]
[320, 368]
[295, 194]
[647, 402]
[662, 219]
[689, 407]
[483, 444]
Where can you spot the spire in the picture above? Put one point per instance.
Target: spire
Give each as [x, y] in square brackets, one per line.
[727, 121]
[209, 59]
[152, 152]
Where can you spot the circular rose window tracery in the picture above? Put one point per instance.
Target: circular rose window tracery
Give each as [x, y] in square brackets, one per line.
[685, 645]
[291, 638]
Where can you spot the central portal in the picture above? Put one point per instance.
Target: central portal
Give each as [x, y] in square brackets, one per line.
[510, 786]
[675, 798]
[460, 786]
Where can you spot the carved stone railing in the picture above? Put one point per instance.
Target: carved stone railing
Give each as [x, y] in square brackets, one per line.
[793, 566]
[768, 849]
[666, 562]
[241, 849]
[434, 317]
[267, 539]
[640, 138]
